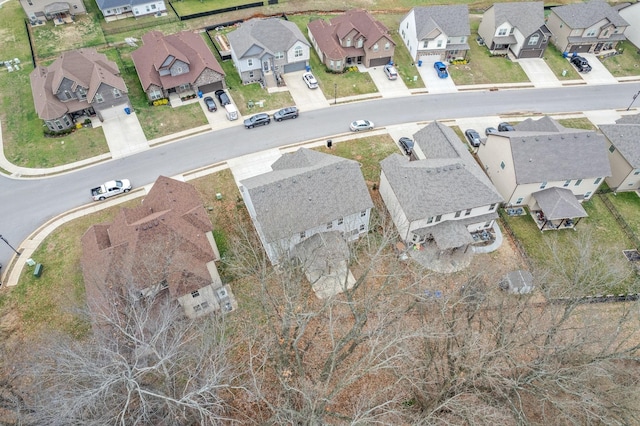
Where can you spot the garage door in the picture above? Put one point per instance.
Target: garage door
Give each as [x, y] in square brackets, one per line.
[580, 49]
[298, 66]
[533, 53]
[379, 62]
[211, 87]
[112, 112]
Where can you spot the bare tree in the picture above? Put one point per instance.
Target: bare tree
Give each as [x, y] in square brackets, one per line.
[144, 364]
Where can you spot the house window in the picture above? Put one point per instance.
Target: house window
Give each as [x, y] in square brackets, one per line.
[68, 94]
[591, 33]
[597, 181]
[407, 24]
[185, 86]
[66, 121]
[387, 46]
[303, 234]
[502, 32]
[329, 225]
[511, 30]
[502, 165]
[250, 62]
[492, 207]
[98, 98]
[195, 294]
[533, 40]
[279, 55]
[543, 185]
[403, 34]
[587, 195]
[340, 221]
[566, 183]
[487, 224]
[375, 47]
[361, 228]
[439, 43]
[116, 93]
[468, 212]
[82, 92]
[360, 42]
[155, 94]
[338, 65]
[251, 74]
[637, 172]
[348, 42]
[58, 124]
[458, 213]
[363, 213]
[519, 201]
[578, 182]
[438, 218]
[153, 7]
[332, 64]
[430, 220]
[297, 52]
[612, 148]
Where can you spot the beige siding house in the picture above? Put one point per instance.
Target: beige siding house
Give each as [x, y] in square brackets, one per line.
[623, 140]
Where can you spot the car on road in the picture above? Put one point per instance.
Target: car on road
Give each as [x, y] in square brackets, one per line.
[505, 127]
[406, 144]
[223, 98]
[261, 119]
[391, 72]
[581, 64]
[441, 69]
[110, 188]
[473, 137]
[490, 130]
[210, 103]
[286, 113]
[358, 125]
[310, 80]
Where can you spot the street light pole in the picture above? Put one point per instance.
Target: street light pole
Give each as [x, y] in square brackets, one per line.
[335, 93]
[7, 242]
[633, 100]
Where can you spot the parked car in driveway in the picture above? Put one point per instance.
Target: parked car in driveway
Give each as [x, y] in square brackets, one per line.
[222, 96]
[210, 103]
[310, 80]
[358, 125]
[286, 113]
[473, 137]
[261, 119]
[441, 69]
[490, 130]
[406, 144]
[391, 72]
[581, 64]
[505, 127]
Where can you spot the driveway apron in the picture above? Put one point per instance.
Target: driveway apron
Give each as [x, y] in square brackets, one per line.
[124, 135]
[387, 88]
[538, 72]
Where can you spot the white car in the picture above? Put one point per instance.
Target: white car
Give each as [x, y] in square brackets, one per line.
[358, 125]
[310, 80]
[391, 72]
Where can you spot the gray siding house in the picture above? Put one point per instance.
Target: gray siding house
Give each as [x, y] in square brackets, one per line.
[264, 49]
[441, 32]
[591, 27]
[60, 12]
[515, 28]
[623, 140]
[443, 197]
[118, 9]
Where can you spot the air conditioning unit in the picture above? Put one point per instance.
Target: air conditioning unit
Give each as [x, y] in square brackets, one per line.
[222, 293]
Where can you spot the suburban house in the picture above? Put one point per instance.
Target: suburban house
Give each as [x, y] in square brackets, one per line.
[547, 167]
[264, 49]
[163, 248]
[355, 37]
[119, 9]
[624, 153]
[308, 201]
[180, 64]
[440, 33]
[591, 27]
[60, 12]
[440, 196]
[79, 83]
[630, 12]
[515, 28]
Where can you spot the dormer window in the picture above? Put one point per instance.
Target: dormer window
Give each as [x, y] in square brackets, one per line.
[387, 46]
[297, 52]
[375, 47]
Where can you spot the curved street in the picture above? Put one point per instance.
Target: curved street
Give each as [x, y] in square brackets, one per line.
[28, 203]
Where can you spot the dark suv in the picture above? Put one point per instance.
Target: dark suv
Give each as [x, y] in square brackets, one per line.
[223, 97]
[505, 127]
[581, 63]
[261, 119]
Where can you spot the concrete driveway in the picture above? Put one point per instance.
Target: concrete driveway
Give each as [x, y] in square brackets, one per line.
[539, 72]
[430, 77]
[387, 88]
[599, 74]
[305, 99]
[124, 135]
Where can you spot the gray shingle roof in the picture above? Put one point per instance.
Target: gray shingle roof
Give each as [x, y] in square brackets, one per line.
[584, 15]
[626, 139]
[110, 4]
[559, 203]
[306, 189]
[451, 20]
[446, 181]
[272, 35]
[527, 17]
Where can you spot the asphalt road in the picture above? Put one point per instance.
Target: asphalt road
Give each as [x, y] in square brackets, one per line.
[25, 204]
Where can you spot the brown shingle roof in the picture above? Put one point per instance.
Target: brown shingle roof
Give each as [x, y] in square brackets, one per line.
[185, 46]
[163, 239]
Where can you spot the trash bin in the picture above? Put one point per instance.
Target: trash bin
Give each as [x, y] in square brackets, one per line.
[420, 63]
[308, 68]
[200, 93]
[127, 110]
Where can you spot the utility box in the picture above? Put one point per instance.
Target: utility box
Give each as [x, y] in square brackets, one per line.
[37, 272]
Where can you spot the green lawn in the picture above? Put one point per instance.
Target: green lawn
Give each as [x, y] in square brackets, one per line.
[628, 63]
[628, 205]
[50, 40]
[560, 65]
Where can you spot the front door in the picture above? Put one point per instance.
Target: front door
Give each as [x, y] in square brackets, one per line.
[265, 66]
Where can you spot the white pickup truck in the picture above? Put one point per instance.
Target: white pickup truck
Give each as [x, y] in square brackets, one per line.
[111, 188]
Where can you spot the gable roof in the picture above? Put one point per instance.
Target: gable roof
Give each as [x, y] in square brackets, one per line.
[452, 20]
[271, 35]
[626, 139]
[542, 155]
[83, 67]
[111, 4]
[163, 239]
[327, 34]
[186, 46]
[306, 189]
[446, 180]
[559, 203]
[584, 15]
[527, 17]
